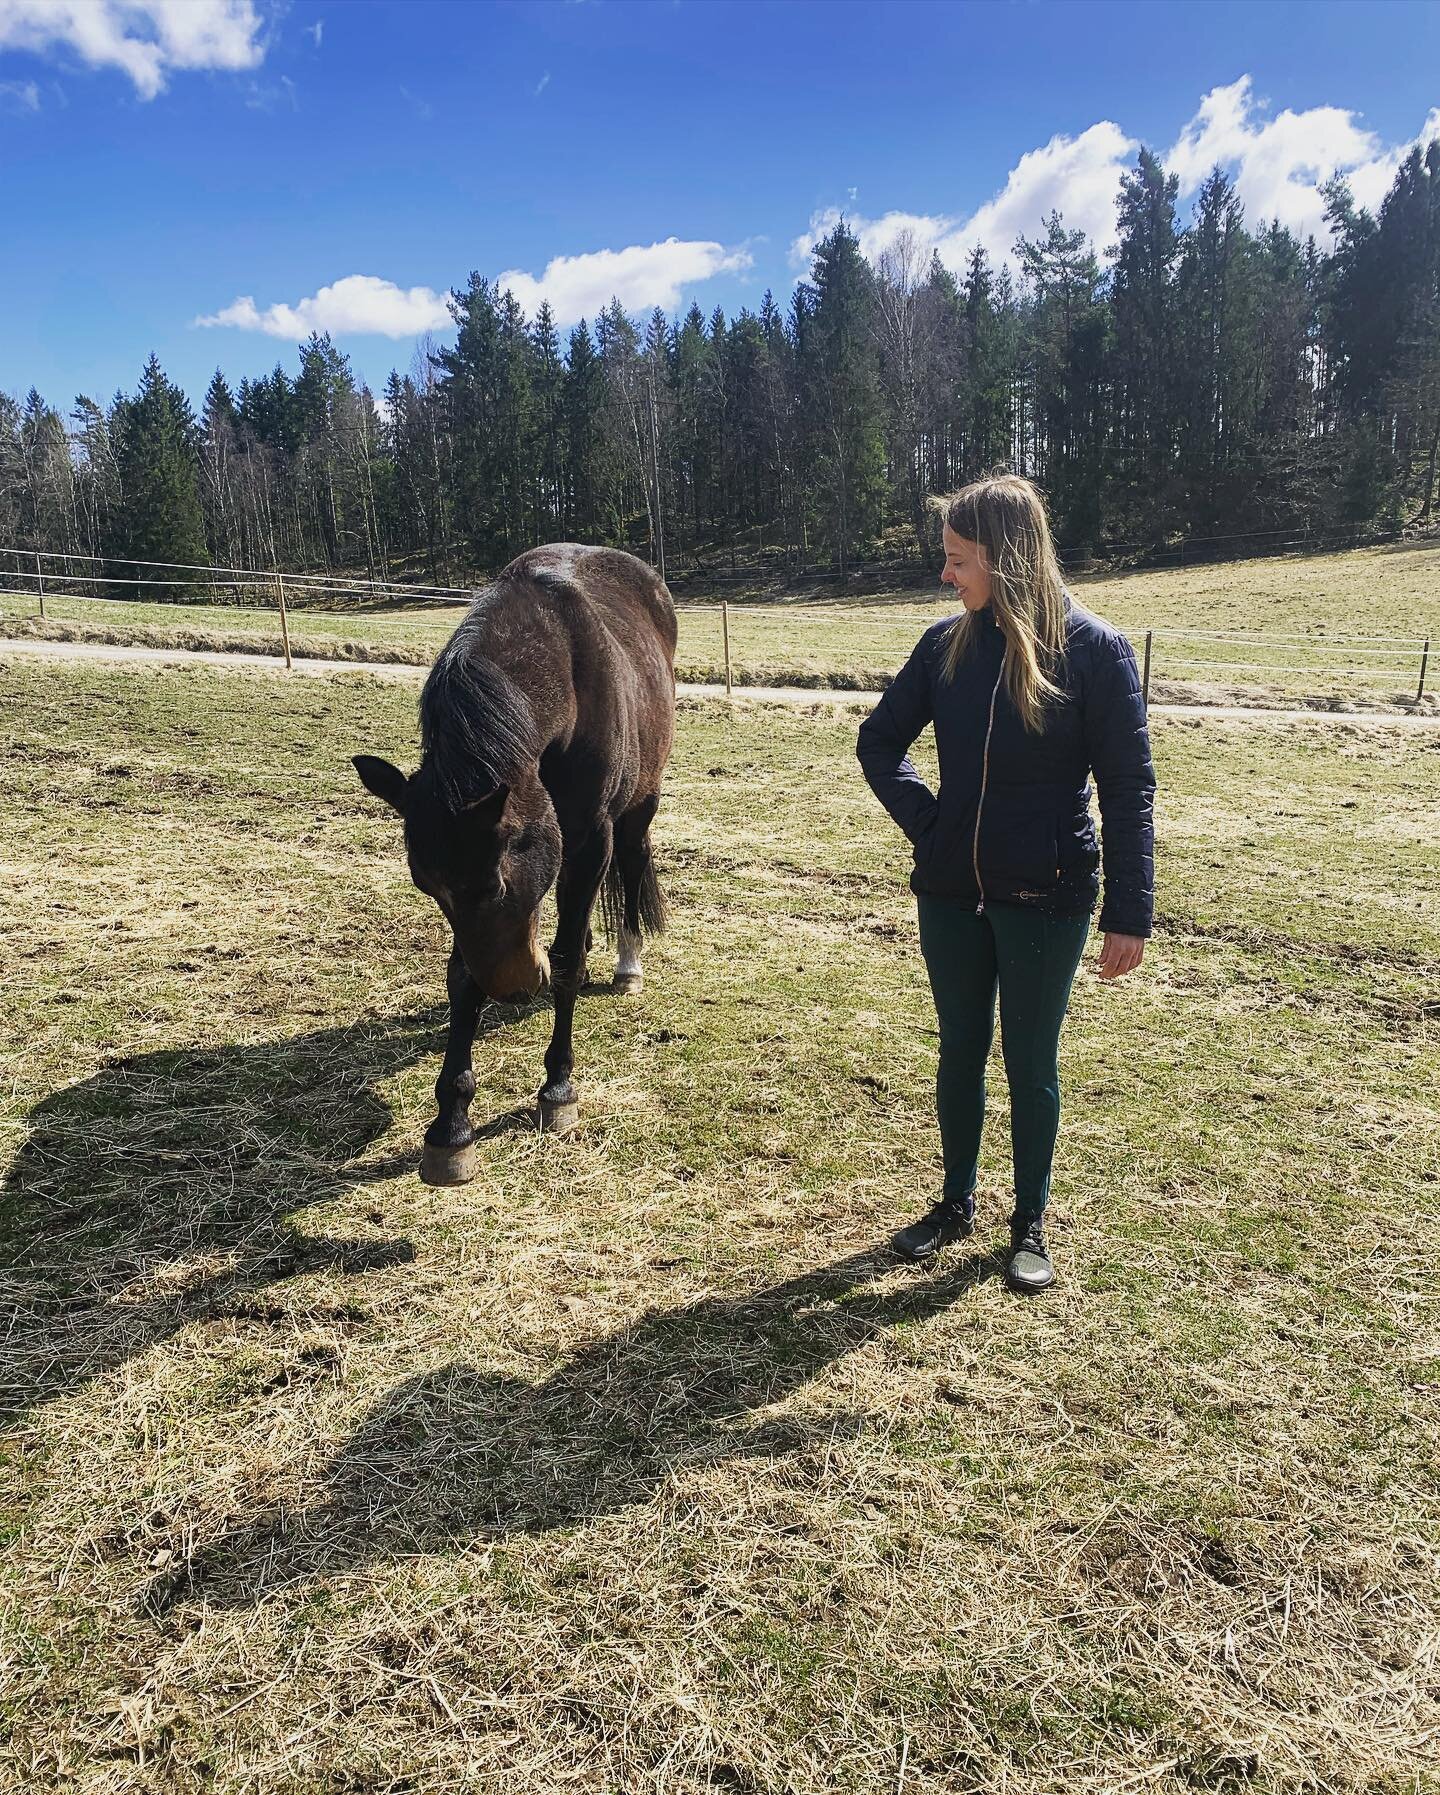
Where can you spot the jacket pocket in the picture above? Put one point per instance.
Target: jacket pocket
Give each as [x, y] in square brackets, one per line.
[1018, 851]
[924, 843]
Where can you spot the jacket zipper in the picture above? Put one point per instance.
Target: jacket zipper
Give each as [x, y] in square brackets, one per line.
[984, 781]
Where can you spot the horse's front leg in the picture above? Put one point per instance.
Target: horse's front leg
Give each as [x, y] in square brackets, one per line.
[559, 1100]
[449, 1156]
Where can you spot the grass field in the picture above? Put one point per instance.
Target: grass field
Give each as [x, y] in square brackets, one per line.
[1317, 600]
[635, 1465]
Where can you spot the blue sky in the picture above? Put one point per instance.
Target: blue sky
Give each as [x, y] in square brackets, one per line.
[277, 165]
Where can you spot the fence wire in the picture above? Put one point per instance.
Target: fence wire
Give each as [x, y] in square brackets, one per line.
[1168, 648]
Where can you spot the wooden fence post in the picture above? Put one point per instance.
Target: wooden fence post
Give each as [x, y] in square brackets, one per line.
[40, 581]
[1145, 681]
[725, 630]
[1424, 663]
[284, 620]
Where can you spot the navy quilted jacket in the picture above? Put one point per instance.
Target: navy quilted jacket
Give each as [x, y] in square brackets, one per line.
[1012, 823]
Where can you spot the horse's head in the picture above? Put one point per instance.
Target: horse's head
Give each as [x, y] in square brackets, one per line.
[487, 863]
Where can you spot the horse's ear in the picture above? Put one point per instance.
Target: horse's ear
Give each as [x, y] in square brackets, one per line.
[488, 809]
[380, 777]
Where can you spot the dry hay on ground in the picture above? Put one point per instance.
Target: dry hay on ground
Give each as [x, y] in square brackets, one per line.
[634, 1465]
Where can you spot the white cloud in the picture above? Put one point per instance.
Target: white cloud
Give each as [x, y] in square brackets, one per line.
[1076, 176]
[359, 305]
[146, 39]
[641, 277]
[542, 84]
[1279, 164]
[317, 31]
[19, 96]
[1372, 180]
[875, 234]
[576, 286]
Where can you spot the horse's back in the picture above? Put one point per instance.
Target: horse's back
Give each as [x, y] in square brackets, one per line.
[617, 589]
[589, 634]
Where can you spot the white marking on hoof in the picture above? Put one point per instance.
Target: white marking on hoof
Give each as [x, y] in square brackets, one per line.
[629, 974]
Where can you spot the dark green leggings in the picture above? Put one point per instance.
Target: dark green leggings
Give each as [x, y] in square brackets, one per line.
[1033, 959]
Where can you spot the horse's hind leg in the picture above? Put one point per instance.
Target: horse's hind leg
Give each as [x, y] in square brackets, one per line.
[629, 973]
[642, 908]
[449, 1156]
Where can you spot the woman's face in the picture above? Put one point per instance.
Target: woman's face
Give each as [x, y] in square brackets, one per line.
[966, 569]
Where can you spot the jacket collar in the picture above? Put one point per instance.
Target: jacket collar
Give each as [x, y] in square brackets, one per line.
[986, 618]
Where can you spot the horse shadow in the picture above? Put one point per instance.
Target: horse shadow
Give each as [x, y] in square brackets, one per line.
[463, 1453]
[131, 1185]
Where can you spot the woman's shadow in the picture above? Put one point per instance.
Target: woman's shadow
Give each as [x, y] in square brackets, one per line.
[465, 1453]
[133, 1184]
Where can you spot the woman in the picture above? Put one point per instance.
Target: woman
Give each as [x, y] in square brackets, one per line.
[1029, 694]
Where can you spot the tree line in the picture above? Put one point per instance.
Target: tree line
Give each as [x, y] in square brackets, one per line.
[1206, 379]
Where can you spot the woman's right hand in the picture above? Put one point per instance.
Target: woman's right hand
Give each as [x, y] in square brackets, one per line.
[1120, 954]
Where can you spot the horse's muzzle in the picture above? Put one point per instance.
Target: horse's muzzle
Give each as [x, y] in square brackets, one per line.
[518, 978]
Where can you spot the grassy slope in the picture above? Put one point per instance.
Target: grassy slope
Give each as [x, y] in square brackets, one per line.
[1372, 592]
[631, 1466]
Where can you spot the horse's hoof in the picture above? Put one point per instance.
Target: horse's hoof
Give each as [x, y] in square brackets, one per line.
[448, 1165]
[559, 1118]
[628, 983]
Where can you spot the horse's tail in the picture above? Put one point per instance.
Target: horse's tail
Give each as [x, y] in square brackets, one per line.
[631, 899]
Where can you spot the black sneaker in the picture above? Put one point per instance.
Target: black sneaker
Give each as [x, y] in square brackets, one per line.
[1029, 1269]
[952, 1218]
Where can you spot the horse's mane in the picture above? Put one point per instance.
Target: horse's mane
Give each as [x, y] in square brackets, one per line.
[476, 726]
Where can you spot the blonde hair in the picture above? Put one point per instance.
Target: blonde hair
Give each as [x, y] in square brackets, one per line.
[1005, 515]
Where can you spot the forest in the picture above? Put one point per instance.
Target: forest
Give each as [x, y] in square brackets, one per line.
[1207, 379]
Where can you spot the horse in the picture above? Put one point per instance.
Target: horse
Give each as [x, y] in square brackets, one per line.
[545, 724]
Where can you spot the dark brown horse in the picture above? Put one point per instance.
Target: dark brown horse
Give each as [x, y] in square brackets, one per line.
[545, 726]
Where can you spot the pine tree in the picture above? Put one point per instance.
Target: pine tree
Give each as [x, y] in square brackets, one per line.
[989, 371]
[1289, 446]
[548, 498]
[746, 351]
[690, 382]
[658, 425]
[584, 436]
[1386, 322]
[12, 473]
[630, 492]
[469, 380]
[1217, 380]
[1145, 366]
[155, 452]
[1065, 331]
[842, 395]
[779, 451]
[719, 433]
